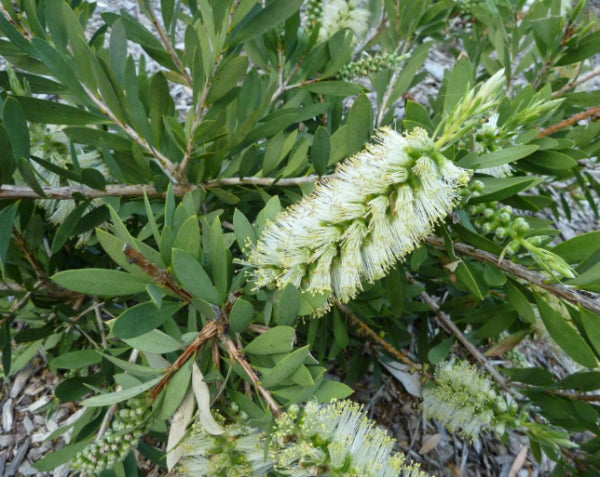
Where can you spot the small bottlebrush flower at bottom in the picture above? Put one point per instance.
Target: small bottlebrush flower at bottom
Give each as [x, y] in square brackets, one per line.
[377, 207]
[465, 401]
[334, 439]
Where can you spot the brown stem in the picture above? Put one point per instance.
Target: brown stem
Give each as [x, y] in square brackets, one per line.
[236, 355]
[160, 276]
[168, 45]
[570, 121]
[570, 86]
[562, 291]
[384, 344]
[210, 331]
[137, 190]
[449, 325]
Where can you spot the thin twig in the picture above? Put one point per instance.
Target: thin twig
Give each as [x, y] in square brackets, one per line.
[379, 340]
[562, 291]
[137, 190]
[113, 407]
[160, 276]
[168, 45]
[449, 325]
[100, 323]
[236, 355]
[570, 86]
[163, 161]
[208, 332]
[565, 123]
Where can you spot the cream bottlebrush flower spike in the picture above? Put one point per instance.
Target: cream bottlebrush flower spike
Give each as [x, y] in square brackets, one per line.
[464, 401]
[375, 209]
[334, 439]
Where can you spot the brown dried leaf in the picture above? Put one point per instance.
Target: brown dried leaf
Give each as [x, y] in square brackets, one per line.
[203, 398]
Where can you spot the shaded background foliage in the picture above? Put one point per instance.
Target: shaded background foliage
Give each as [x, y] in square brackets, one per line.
[127, 251]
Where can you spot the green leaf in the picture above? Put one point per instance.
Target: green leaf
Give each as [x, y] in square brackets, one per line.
[50, 112]
[188, 237]
[217, 257]
[243, 230]
[7, 218]
[286, 309]
[440, 352]
[465, 276]
[591, 325]
[76, 359]
[277, 340]
[589, 280]
[15, 123]
[285, 368]
[142, 318]
[551, 160]
[5, 348]
[176, 391]
[192, 276]
[98, 138]
[227, 76]
[62, 456]
[329, 390]
[320, 150]
[498, 158]
[133, 368]
[276, 12]
[565, 335]
[65, 230]
[154, 341]
[519, 302]
[119, 396]
[241, 316]
[311, 302]
[100, 281]
[459, 80]
[502, 188]
[578, 249]
[334, 88]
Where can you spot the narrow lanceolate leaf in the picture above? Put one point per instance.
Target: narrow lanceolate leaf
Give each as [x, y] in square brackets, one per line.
[7, 217]
[565, 335]
[119, 396]
[272, 15]
[99, 281]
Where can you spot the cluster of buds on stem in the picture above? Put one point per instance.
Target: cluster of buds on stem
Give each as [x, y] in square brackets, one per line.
[491, 218]
[127, 428]
[370, 65]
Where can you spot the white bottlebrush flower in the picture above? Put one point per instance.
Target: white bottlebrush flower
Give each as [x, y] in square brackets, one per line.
[50, 143]
[464, 401]
[338, 439]
[334, 439]
[355, 226]
[239, 451]
[340, 14]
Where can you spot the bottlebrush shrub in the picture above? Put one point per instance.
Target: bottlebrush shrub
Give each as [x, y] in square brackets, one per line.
[204, 273]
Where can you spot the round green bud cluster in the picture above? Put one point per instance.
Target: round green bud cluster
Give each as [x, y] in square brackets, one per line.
[127, 428]
[314, 11]
[490, 219]
[370, 65]
[500, 221]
